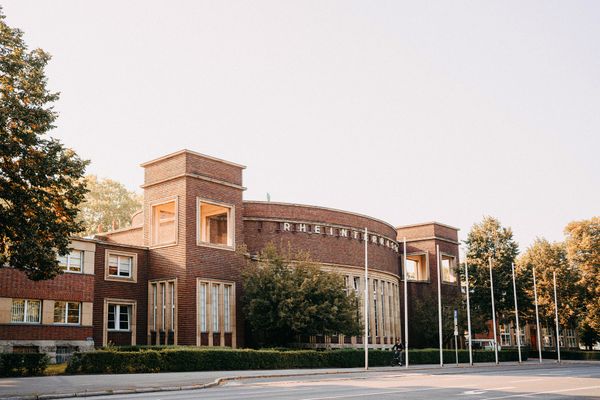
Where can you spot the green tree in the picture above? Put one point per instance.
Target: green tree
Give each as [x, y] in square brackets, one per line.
[583, 251]
[108, 205]
[490, 240]
[285, 298]
[424, 320]
[40, 179]
[546, 258]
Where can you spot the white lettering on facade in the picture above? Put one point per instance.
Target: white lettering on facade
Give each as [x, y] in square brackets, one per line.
[345, 232]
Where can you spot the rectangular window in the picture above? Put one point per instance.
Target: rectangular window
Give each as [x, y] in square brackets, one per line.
[448, 269]
[172, 291]
[375, 307]
[164, 306]
[416, 267]
[72, 262]
[164, 224]
[227, 309]
[120, 266]
[203, 327]
[154, 305]
[119, 316]
[66, 312]
[383, 306]
[505, 339]
[356, 284]
[215, 224]
[26, 311]
[215, 307]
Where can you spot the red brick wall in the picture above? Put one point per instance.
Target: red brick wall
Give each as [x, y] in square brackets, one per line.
[44, 332]
[323, 248]
[120, 290]
[133, 236]
[186, 260]
[71, 287]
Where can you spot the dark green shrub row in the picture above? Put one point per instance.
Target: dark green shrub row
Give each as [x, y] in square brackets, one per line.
[432, 356]
[567, 355]
[178, 359]
[23, 364]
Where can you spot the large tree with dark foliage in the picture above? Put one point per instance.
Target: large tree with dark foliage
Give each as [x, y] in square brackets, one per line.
[490, 240]
[40, 180]
[288, 296]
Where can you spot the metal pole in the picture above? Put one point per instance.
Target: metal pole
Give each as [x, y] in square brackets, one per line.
[366, 301]
[439, 272]
[537, 318]
[469, 313]
[556, 315]
[456, 348]
[493, 311]
[405, 309]
[516, 311]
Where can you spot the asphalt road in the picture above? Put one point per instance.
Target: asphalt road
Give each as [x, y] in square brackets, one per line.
[549, 381]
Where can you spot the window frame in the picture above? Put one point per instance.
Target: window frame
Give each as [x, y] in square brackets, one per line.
[67, 265]
[132, 278]
[117, 317]
[230, 224]
[66, 313]
[424, 257]
[173, 199]
[452, 268]
[25, 313]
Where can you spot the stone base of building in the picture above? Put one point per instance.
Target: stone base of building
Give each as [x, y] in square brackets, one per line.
[58, 351]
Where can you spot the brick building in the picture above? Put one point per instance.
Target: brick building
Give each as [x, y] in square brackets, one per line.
[174, 276]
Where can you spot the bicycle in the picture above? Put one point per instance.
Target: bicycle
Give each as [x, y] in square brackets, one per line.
[397, 359]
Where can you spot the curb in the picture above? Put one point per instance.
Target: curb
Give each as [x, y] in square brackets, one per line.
[219, 381]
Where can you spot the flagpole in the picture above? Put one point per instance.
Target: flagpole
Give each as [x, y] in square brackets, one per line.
[366, 301]
[537, 317]
[493, 310]
[405, 309]
[556, 314]
[516, 311]
[439, 302]
[469, 313]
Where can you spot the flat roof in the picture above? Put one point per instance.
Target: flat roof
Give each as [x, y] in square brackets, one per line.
[428, 223]
[145, 164]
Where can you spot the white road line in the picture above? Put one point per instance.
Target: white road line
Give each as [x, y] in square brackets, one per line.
[529, 380]
[545, 392]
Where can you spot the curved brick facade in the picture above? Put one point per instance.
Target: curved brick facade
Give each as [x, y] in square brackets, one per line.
[264, 223]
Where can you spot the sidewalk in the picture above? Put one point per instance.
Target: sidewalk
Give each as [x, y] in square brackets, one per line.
[49, 387]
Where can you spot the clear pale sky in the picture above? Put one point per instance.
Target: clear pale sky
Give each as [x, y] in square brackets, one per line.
[405, 111]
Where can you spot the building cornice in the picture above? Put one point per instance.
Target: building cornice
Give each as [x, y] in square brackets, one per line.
[195, 176]
[147, 163]
[427, 223]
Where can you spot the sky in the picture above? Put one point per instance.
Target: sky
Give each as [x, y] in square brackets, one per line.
[405, 111]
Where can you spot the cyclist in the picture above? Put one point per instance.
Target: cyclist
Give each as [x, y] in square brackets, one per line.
[398, 350]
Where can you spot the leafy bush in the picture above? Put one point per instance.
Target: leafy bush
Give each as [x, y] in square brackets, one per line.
[23, 364]
[568, 355]
[177, 359]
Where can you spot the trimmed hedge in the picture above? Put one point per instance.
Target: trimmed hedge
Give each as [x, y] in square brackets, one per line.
[23, 364]
[567, 355]
[178, 359]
